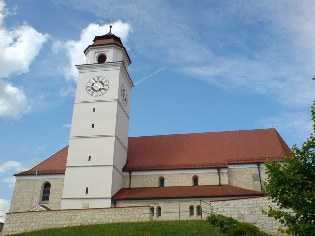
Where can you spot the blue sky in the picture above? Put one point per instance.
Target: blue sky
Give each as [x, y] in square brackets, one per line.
[198, 66]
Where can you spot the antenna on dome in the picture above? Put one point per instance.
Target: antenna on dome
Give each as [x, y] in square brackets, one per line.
[111, 25]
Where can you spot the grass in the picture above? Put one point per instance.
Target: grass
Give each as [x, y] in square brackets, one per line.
[156, 228]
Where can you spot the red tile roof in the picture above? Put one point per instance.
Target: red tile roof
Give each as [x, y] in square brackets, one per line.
[56, 164]
[184, 192]
[188, 151]
[204, 150]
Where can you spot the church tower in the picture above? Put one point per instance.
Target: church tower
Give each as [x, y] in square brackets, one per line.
[99, 130]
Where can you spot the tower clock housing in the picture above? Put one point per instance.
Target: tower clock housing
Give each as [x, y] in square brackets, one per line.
[99, 131]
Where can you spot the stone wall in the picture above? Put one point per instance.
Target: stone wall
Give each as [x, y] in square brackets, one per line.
[247, 177]
[173, 209]
[175, 179]
[245, 210]
[249, 210]
[30, 221]
[28, 189]
[28, 192]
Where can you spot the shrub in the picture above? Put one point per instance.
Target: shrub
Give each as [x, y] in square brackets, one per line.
[232, 227]
[223, 222]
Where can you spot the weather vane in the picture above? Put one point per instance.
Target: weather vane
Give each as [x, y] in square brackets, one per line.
[110, 25]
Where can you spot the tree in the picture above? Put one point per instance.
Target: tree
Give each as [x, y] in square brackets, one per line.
[291, 185]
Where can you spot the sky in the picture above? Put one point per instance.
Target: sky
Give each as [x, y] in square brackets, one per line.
[197, 66]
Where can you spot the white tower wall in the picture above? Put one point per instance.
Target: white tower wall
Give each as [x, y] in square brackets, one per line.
[99, 131]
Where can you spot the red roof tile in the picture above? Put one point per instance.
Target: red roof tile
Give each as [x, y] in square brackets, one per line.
[56, 164]
[188, 151]
[184, 192]
[204, 150]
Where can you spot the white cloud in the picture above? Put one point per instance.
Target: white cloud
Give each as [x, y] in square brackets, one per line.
[277, 61]
[18, 47]
[68, 90]
[2, 11]
[13, 101]
[75, 48]
[293, 124]
[288, 85]
[10, 181]
[4, 208]
[11, 165]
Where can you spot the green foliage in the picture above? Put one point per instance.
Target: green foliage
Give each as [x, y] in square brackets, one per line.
[292, 186]
[245, 229]
[222, 222]
[232, 227]
[156, 228]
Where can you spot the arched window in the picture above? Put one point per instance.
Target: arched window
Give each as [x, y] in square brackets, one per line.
[101, 58]
[158, 211]
[152, 211]
[191, 211]
[46, 192]
[195, 180]
[161, 182]
[198, 210]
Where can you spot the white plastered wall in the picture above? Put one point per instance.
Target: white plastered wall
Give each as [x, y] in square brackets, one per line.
[113, 53]
[97, 153]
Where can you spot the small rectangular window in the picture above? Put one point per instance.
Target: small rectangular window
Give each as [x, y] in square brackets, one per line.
[152, 211]
[86, 190]
[158, 211]
[199, 210]
[92, 125]
[89, 158]
[191, 210]
[94, 109]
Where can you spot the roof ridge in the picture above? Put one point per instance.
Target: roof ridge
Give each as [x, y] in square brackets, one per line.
[196, 133]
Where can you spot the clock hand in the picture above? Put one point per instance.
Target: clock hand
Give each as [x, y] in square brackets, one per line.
[99, 86]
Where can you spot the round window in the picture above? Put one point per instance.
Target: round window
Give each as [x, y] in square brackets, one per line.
[101, 58]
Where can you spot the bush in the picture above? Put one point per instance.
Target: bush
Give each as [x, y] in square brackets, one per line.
[222, 222]
[232, 227]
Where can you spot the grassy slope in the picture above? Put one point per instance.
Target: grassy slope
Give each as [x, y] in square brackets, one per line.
[174, 228]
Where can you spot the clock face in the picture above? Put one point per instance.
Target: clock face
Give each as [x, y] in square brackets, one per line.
[124, 95]
[97, 86]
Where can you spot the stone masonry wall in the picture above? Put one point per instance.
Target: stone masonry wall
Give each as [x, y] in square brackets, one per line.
[182, 179]
[28, 191]
[245, 177]
[173, 209]
[249, 210]
[30, 221]
[27, 194]
[245, 210]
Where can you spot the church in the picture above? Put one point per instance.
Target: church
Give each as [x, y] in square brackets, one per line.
[105, 168]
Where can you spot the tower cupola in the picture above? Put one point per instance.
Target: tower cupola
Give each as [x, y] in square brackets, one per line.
[107, 48]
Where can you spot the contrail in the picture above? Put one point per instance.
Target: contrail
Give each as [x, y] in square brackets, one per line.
[150, 75]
